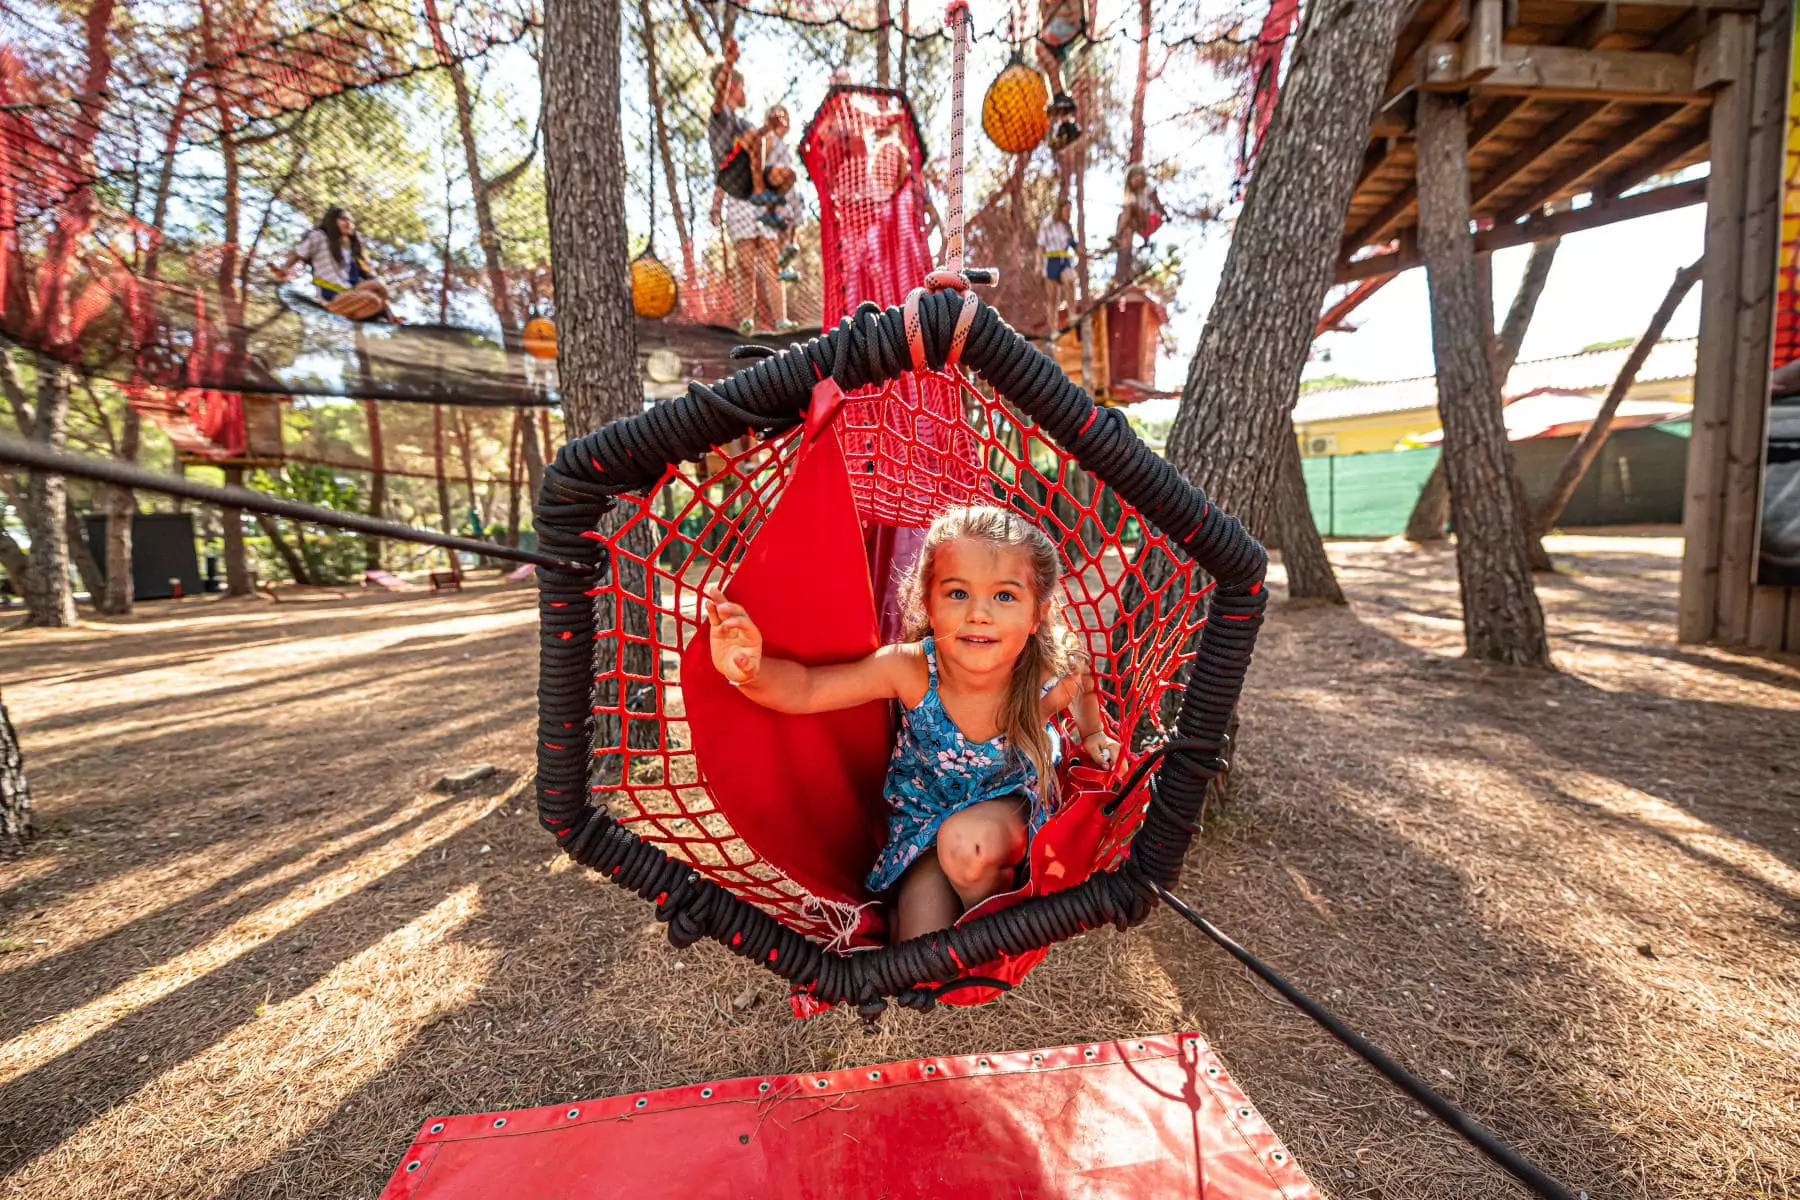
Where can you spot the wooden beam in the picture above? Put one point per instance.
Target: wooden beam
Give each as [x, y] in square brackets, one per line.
[1482, 51]
[1594, 161]
[1565, 72]
[1537, 229]
[1721, 6]
[1547, 139]
[1723, 52]
[1448, 27]
[1660, 159]
[1495, 115]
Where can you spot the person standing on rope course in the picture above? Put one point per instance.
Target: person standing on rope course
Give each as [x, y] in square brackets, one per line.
[1060, 23]
[334, 251]
[781, 175]
[741, 201]
[1141, 216]
[1057, 241]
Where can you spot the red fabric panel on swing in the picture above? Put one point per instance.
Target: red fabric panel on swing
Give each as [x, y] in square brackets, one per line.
[803, 790]
[1149, 1117]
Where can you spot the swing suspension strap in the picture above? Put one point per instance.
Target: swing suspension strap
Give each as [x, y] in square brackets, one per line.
[1461, 1123]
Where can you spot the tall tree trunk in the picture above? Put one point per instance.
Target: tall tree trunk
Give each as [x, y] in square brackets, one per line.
[121, 508]
[437, 467]
[237, 567]
[520, 416]
[296, 565]
[1235, 425]
[1586, 449]
[1309, 574]
[466, 453]
[653, 81]
[883, 18]
[372, 546]
[49, 598]
[1136, 153]
[443, 483]
[480, 187]
[1502, 621]
[597, 336]
[15, 793]
[81, 555]
[1431, 511]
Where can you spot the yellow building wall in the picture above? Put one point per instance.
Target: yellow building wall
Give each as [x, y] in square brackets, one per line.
[1366, 434]
[1377, 432]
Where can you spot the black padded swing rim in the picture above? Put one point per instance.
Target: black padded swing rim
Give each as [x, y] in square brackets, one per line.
[869, 347]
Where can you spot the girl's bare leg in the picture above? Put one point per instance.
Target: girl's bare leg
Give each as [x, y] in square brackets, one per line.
[927, 902]
[743, 285]
[978, 848]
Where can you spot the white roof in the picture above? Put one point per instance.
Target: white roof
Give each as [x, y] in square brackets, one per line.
[1560, 411]
[1591, 370]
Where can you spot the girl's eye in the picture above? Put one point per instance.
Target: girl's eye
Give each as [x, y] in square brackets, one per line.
[1005, 595]
[957, 593]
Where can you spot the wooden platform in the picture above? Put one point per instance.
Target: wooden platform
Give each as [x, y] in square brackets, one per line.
[1565, 99]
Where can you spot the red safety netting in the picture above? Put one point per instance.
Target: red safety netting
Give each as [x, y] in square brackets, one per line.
[1133, 605]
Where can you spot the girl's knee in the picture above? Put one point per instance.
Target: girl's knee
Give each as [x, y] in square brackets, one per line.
[974, 850]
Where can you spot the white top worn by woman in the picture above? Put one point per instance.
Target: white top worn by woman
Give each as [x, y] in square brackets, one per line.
[316, 250]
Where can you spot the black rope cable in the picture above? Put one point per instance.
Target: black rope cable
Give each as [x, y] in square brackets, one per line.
[37, 457]
[870, 347]
[1465, 1126]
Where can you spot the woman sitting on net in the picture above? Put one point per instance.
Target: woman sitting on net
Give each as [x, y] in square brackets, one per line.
[346, 285]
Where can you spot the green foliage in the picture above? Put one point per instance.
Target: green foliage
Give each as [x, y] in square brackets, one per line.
[1329, 381]
[1613, 344]
[330, 555]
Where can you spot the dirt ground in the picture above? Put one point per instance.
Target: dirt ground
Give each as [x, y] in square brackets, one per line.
[253, 949]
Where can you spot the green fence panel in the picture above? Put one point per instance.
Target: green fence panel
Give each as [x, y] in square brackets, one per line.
[1366, 495]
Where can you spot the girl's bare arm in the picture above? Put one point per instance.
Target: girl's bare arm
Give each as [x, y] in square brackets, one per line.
[790, 687]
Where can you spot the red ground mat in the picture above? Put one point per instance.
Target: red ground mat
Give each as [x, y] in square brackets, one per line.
[1152, 1118]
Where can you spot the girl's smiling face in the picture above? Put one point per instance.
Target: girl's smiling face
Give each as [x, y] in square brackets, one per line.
[981, 606]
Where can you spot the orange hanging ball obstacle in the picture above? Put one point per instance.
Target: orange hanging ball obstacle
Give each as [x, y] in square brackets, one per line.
[653, 287]
[540, 337]
[1014, 112]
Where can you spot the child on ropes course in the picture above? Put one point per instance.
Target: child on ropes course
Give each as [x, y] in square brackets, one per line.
[1060, 22]
[781, 174]
[1141, 216]
[736, 145]
[346, 285]
[987, 664]
[1057, 241]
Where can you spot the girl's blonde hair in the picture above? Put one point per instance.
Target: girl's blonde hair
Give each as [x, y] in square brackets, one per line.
[1050, 653]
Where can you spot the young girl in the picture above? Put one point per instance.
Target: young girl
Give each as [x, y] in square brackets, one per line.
[346, 285]
[986, 665]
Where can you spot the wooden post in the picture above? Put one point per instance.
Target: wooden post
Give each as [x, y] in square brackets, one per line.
[1746, 59]
[1756, 615]
[1703, 510]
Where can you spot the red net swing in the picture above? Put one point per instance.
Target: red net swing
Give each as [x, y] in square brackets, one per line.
[757, 828]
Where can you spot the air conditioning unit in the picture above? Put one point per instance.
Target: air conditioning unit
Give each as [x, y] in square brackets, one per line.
[1318, 445]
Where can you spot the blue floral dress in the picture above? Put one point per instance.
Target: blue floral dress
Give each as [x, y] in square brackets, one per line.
[935, 772]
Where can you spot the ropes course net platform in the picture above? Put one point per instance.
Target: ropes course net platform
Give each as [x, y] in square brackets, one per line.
[1156, 1117]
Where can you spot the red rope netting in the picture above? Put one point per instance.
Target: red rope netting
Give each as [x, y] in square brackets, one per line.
[1134, 607]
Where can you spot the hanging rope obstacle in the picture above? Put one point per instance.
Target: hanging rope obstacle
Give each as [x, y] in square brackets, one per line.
[632, 803]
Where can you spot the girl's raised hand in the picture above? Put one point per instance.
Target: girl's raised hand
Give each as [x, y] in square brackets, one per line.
[1101, 748]
[737, 643]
